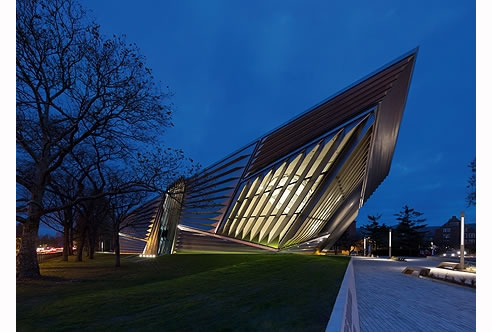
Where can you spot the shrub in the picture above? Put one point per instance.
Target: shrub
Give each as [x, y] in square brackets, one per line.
[400, 259]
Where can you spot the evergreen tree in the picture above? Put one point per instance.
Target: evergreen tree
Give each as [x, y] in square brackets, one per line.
[377, 232]
[409, 233]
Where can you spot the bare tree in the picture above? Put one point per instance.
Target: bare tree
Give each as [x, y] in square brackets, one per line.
[92, 214]
[73, 86]
[66, 186]
[120, 207]
[151, 174]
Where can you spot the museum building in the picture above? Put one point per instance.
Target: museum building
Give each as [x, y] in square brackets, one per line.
[297, 188]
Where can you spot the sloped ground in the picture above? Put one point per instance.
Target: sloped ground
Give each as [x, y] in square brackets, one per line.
[285, 292]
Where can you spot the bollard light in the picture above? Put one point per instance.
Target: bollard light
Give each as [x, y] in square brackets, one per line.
[390, 243]
[462, 242]
[365, 241]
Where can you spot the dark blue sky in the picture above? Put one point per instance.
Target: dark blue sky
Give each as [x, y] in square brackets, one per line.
[240, 69]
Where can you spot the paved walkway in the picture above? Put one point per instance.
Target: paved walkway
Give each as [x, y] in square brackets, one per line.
[392, 301]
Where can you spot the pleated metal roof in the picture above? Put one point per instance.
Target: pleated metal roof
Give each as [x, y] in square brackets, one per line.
[301, 185]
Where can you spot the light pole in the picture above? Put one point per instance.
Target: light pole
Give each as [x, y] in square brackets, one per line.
[390, 243]
[365, 241]
[462, 242]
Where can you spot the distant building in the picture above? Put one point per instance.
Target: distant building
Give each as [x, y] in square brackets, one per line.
[429, 232]
[448, 235]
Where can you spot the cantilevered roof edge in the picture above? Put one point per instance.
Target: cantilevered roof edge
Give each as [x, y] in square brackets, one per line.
[336, 94]
[413, 51]
[387, 133]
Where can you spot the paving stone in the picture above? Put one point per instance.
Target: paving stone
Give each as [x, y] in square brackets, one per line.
[389, 300]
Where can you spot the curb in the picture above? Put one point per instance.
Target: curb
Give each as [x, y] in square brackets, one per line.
[345, 314]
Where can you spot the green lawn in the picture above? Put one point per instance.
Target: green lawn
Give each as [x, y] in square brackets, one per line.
[217, 292]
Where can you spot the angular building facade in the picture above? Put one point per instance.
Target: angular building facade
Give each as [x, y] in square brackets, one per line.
[296, 188]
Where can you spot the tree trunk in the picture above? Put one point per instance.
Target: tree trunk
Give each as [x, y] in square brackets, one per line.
[92, 246]
[94, 241]
[66, 242]
[27, 259]
[68, 223]
[70, 252]
[116, 239]
[80, 247]
[87, 245]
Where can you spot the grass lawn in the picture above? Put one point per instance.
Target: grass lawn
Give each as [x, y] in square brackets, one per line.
[217, 292]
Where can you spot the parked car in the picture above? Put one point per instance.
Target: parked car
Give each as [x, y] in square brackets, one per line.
[452, 253]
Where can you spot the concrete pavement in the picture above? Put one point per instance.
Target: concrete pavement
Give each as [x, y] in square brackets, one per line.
[391, 301]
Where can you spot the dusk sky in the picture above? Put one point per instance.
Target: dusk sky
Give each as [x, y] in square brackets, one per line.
[239, 69]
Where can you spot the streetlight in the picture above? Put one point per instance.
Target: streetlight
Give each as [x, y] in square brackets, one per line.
[390, 243]
[462, 242]
[365, 241]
